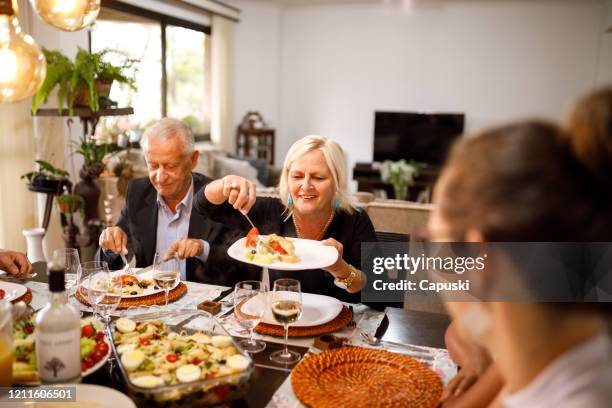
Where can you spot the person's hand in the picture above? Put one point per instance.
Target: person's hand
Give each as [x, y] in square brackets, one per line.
[114, 239]
[185, 248]
[237, 191]
[340, 266]
[474, 367]
[15, 263]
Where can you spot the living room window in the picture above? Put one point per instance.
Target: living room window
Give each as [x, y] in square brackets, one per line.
[173, 75]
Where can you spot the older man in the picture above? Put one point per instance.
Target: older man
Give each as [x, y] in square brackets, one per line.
[158, 216]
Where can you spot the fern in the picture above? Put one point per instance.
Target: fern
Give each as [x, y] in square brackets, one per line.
[87, 67]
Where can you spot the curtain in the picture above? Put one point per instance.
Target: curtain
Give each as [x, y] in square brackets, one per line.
[222, 43]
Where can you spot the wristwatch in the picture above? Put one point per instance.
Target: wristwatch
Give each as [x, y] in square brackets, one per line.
[346, 283]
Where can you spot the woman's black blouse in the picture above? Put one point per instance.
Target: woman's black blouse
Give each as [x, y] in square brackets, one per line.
[269, 216]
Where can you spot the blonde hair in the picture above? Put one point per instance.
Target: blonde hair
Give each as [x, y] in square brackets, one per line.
[336, 161]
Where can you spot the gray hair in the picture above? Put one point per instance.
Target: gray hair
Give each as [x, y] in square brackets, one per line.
[167, 128]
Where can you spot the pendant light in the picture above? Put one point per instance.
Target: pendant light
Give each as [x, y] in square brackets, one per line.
[22, 64]
[67, 15]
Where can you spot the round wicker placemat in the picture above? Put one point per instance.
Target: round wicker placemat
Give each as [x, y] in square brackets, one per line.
[338, 323]
[155, 299]
[361, 377]
[26, 297]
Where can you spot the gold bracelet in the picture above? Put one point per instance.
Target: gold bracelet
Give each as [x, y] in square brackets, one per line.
[346, 283]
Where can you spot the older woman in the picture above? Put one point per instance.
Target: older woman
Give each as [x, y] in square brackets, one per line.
[314, 204]
[518, 189]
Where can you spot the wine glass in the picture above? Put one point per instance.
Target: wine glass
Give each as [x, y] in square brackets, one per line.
[112, 298]
[255, 293]
[91, 285]
[166, 272]
[69, 258]
[286, 304]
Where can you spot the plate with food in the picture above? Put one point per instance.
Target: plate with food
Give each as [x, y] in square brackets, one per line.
[168, 362]
[11, 291]
[140, 284]
[282, 253]
[95, 350]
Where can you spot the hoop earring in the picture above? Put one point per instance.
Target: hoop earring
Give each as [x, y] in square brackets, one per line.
[290, 201]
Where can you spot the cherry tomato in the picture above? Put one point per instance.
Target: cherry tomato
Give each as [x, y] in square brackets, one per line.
[278, 248]
[144, 342]
[83, 366]
[196, 361]
[2, 293]
[171, 358]
[102, 348]
[28, 329]
[251, 238]
[96, 356]
[88, 362]
[88, 331]
[99, 335]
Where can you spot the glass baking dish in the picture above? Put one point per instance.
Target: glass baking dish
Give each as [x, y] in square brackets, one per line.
[208, 391]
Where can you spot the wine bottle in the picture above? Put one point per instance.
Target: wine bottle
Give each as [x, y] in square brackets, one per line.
[58, 334]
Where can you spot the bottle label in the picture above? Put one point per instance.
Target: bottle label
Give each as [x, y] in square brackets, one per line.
[58, 355]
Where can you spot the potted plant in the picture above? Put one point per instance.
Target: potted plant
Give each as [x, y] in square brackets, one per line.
[400, 174]
[70, 203]
[93, 154]
[47, 179]
[86, 81]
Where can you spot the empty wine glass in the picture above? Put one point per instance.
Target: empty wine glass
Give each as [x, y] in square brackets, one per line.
[112, 298]
[92, 286]
[69, 258]
[286, 305]
[250, 298]
[166, 272]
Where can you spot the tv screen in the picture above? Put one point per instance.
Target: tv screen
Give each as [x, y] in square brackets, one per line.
[422, 137]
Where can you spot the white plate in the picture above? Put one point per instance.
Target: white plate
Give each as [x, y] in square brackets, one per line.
[316, 309]
[312, 255]
[9, 287]
[151, 289]
[106, 397]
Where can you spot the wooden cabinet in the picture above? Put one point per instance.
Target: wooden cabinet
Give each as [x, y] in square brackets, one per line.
[254, 139]
[368, 179]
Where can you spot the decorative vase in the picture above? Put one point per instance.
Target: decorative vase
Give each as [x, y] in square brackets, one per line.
[401, 190]
[34, 237]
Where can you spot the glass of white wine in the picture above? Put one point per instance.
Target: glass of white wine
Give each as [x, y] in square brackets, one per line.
[166, 272]
[286, 305]
[249, 316]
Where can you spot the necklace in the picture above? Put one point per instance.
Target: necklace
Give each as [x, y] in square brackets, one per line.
[299, 231]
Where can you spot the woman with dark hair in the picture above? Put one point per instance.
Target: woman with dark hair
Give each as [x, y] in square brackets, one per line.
[523, 182]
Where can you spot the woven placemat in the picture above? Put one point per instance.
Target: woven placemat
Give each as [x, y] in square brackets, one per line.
[155, 299]
[338, 323]
[26, 297]
[357, 376]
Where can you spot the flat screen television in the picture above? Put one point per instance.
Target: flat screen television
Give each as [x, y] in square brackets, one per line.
[423, 137]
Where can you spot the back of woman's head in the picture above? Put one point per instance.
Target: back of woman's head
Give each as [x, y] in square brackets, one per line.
[519, 182]
[590, 131]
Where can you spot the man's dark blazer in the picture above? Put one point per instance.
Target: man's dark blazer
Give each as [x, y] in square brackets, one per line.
[139, 221]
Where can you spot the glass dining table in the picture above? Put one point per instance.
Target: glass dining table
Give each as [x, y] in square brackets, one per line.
[270, 385]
